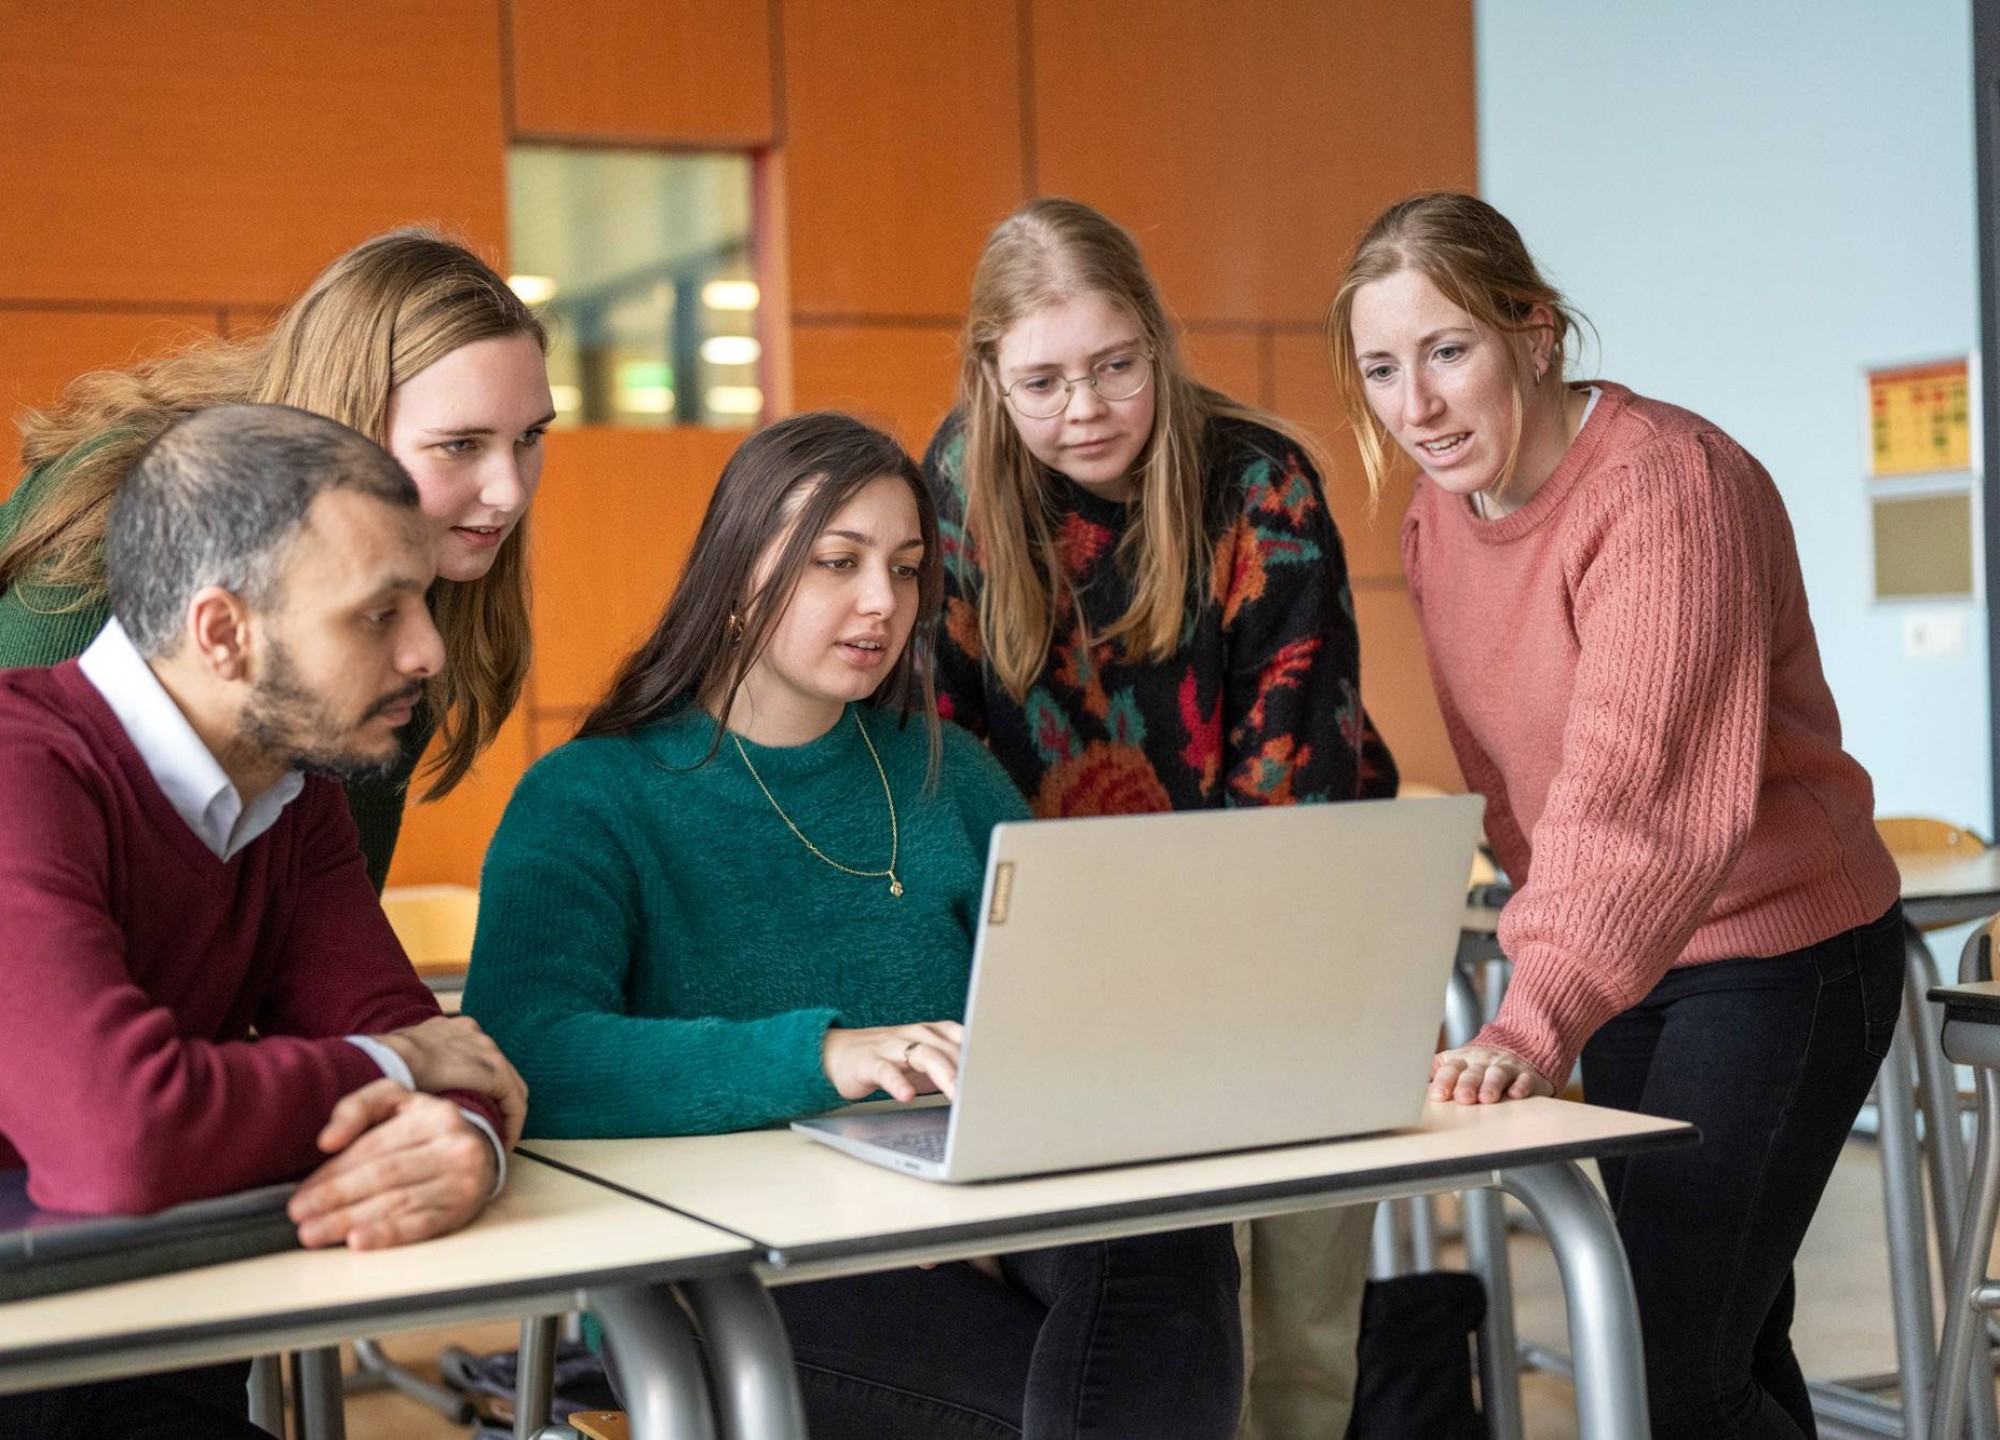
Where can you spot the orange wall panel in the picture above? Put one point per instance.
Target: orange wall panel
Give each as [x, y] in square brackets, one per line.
[1304, 393]
[1231, 361]
[901, 376]
[180, 164]
[613, 523]
[1396, 687]
[444, 843]
[1247, 143]
[161, 150]
[683, 72]
[903, 126]
[41, 351]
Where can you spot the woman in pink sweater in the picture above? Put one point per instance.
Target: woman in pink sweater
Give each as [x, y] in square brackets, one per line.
[1616, 627]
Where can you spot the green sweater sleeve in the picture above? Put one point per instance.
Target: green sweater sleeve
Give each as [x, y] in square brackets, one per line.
[567, 911]
[43, 624]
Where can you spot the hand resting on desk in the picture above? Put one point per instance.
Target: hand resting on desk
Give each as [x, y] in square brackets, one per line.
[405, 1167]
[904, 1060]
[1484, 1075]
[451, 1052]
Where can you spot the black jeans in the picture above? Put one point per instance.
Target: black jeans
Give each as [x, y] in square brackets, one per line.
[1771, 1058]
[206, 1404]
[1135, 1338]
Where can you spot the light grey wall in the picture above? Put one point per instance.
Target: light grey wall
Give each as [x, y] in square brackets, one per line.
[1754, 200]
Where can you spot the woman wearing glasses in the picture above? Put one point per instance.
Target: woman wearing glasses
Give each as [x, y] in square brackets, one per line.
[1147, 609]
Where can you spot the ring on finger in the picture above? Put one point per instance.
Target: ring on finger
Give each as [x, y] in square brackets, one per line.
[909, 1050]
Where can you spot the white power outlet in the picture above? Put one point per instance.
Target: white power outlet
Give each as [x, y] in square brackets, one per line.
[1934, 635]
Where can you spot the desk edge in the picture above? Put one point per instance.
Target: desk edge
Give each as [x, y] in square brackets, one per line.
[1419, 1175]
[360, 1314]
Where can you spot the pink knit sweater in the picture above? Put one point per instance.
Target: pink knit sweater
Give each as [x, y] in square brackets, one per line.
[1629, 676]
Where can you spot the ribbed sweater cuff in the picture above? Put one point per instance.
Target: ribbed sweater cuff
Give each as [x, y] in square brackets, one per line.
[1549, 1012]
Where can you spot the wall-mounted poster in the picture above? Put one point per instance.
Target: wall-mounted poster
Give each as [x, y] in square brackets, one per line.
[1919, 419]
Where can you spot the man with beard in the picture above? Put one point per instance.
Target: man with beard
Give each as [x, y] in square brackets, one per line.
[178, 870]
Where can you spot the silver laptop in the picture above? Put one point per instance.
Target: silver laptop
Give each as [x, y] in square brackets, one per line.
[1153, 986]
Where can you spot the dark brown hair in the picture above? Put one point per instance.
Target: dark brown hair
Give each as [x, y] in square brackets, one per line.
[783, 485]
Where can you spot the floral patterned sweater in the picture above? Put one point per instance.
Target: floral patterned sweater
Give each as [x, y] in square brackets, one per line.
[1259, 705]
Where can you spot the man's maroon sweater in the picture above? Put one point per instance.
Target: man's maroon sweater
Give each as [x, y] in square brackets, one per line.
[134, 966]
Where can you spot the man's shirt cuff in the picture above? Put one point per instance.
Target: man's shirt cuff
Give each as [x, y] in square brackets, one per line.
[394, 1067]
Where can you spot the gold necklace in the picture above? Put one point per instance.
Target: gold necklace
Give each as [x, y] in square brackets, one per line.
[895, 836]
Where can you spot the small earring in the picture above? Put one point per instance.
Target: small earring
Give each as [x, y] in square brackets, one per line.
[735, 628]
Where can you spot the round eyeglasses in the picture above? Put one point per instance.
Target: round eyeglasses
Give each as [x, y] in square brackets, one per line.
[1116, 377]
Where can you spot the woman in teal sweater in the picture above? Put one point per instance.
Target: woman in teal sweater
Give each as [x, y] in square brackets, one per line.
[747, 892]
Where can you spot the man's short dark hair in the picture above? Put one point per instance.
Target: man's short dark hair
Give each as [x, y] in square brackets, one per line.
[217, 499]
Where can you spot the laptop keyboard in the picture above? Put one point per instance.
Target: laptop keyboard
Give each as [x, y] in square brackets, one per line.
[921, 1144]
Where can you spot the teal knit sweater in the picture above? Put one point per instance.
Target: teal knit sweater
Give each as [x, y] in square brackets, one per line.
[660, 955]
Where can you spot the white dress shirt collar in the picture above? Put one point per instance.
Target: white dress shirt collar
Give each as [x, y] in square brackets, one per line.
[190, 776]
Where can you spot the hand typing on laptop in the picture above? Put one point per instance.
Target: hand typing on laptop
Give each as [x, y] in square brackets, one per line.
[904, 1060]
[405, 1167]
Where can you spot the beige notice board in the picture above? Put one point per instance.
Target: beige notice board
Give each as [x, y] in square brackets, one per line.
[1923, 545]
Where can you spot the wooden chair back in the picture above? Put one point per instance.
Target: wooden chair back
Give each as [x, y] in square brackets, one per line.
[435, 924]
[1925, 835]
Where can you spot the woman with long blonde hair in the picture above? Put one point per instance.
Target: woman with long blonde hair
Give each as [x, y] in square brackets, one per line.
[412, 340]
[1147, 609]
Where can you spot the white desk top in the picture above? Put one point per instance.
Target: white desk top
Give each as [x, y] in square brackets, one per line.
[814, 1207]
[1938, 877]
[547, 1236]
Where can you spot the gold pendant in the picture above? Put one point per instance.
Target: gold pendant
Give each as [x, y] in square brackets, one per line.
[895, 887]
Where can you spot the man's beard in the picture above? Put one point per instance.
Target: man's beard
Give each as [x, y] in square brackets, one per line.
[285, 720]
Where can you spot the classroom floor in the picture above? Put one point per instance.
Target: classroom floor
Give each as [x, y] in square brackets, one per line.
[1842, 1328]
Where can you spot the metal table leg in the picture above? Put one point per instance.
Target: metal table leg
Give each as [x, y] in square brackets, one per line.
[1945, 1147]
[318, 1395]
[1485, 1221]
[1909, 1251]
[1597, 1287]
[534, 1376]
[267, 1394]
[750, 1357]
[1944, 1141]
[659, 1368]
[1423, 1233]
[1914, 1053]
[1964, 1316]
[1499, 1347]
